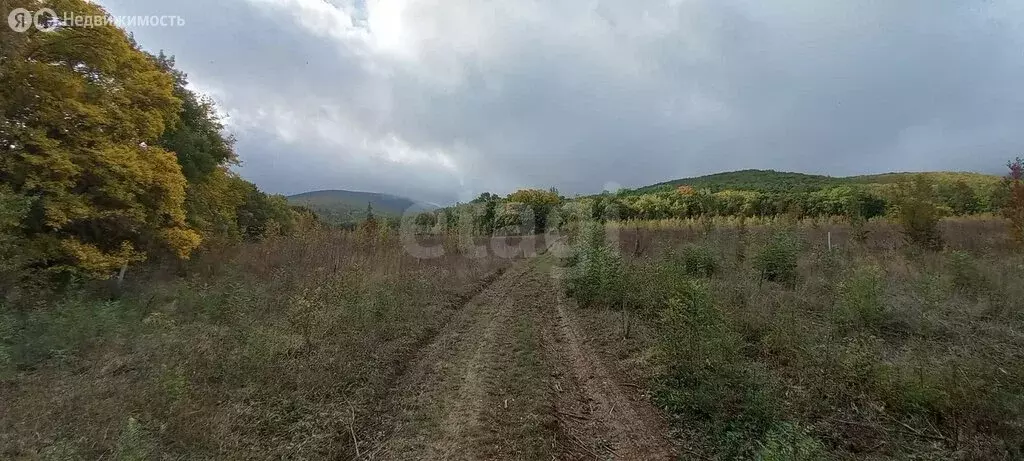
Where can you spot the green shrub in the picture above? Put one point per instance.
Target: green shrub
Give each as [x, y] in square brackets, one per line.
[63, 332]
[693, 331]
[861, 302]
[595, 277]
[699, 261]
[704, 376]
[777, 262]
[646, 290]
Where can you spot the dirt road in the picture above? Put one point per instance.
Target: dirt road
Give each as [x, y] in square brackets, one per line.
[511, 376]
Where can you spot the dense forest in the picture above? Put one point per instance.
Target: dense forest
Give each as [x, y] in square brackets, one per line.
[108, 158]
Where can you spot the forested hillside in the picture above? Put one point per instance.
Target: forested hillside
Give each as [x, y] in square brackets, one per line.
[778, 181]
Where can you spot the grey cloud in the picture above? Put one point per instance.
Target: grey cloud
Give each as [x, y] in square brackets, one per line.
[474, 96]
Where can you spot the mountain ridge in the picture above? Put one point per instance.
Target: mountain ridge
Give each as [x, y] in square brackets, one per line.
[778, 181]
[342, 206]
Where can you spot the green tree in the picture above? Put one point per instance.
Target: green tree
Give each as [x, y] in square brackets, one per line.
[485, 220]
[219, 204]
[962, 198]
[540, 202]
[425, 221]
[369, 224]
[262, 215]
[197, 137]
[918, 212]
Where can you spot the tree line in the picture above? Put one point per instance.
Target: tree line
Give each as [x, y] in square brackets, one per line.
[533, 210]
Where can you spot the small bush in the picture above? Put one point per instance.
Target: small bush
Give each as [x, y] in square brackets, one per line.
[694, 331]
[699, 261]
[647, 290]
[966, 275]
[596, 276]
[861, 299]
[777, 262]
[705, 377]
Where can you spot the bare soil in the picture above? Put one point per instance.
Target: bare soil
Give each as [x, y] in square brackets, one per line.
[512, 376]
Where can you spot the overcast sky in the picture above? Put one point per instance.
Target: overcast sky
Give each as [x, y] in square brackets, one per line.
[443, 99]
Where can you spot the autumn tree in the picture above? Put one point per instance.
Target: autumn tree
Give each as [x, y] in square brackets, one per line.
[686, 190]
[220, 205]
[262, 215]
[82, 113]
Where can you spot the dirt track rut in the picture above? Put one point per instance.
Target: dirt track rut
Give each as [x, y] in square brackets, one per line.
[512, 377]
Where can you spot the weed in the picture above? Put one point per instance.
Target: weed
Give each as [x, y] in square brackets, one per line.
[134, 444]
[237, 362]
[790, 442]
[931, 290]
[174, 384]
[864, 353]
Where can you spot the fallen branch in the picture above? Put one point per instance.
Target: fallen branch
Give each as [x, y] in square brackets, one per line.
[351, 430]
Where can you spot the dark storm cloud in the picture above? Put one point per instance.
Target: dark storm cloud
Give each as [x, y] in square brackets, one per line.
[446, 99]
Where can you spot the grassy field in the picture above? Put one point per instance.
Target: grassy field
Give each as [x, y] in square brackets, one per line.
[283, 348]
[692, 339]
[760, 342]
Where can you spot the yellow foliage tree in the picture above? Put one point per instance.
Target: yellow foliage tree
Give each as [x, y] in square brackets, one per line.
[82, 108]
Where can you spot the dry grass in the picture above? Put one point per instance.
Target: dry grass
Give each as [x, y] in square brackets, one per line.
[282, 348]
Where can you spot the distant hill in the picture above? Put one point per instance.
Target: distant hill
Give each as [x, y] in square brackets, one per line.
[344, 206]
[777, 181]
